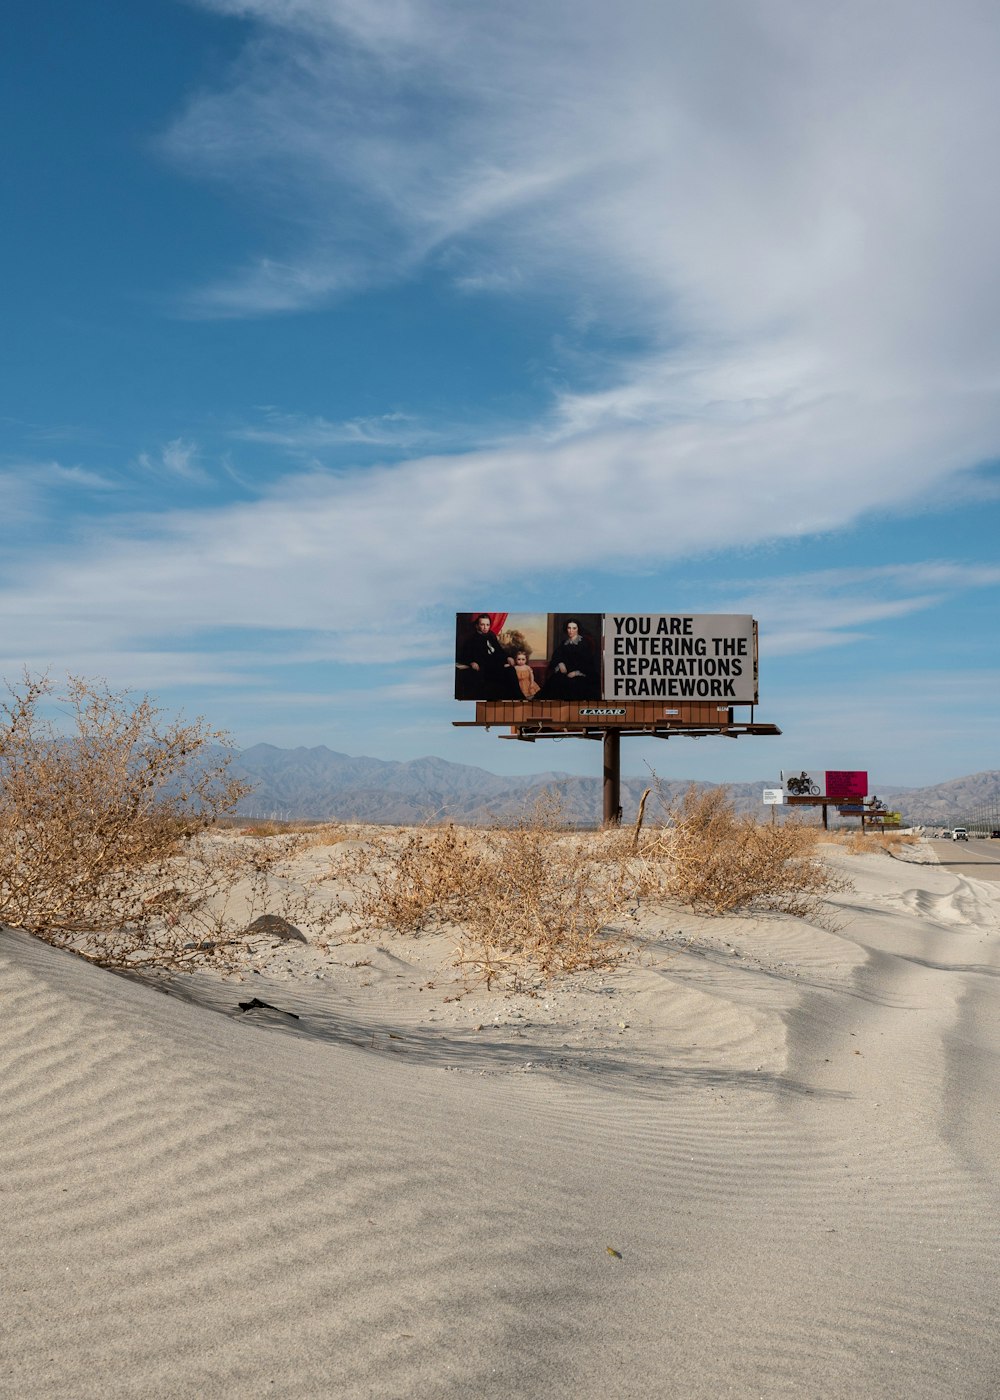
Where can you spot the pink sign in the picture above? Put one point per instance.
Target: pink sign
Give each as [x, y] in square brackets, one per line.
[846, 784]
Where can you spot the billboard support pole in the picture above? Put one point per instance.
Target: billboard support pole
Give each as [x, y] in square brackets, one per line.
[612, 777]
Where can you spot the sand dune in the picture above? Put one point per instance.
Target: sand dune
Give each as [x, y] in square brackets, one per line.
[786, 1134]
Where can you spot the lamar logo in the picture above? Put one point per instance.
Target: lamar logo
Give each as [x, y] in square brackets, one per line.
[608, 711]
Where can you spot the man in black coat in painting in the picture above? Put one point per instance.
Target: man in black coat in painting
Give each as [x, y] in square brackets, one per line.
[485, 671]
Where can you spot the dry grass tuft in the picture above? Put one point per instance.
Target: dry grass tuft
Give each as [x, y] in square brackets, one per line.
[328, 834]
[524, 899]
[717, 862]
[307, 833]
[262, 827]
[865, 843]
[109, 844]
[106, 841]
[531, 900]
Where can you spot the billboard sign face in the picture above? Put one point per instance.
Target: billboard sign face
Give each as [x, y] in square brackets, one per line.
[610, 658]
[846, 783]
[774, 797]
[680, 656]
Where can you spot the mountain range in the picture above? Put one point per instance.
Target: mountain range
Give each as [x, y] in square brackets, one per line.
[320, 784]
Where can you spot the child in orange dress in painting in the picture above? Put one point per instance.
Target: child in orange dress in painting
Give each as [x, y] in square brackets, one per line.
[525, 676]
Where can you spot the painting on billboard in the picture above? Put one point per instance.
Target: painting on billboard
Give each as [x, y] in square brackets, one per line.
[527, 656]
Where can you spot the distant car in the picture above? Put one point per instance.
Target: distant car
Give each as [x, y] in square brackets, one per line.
[995, 833]
[960, 834]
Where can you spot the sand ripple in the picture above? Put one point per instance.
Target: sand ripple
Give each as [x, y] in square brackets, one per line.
[792, 1147]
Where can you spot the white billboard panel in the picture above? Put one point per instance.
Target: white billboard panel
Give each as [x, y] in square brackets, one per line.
[680, 656]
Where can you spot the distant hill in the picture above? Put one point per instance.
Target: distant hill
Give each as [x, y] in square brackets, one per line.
[949, 802]
[320, 784]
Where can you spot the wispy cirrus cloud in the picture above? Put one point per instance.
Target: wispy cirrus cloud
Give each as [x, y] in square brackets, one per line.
[823, 608]
[344, 553]
[310, 434]
[177, 458]
[745, 172]
[785, 206]
[29, 488]
[781, 211]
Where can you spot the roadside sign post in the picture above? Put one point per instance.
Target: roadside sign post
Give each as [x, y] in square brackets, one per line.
[612, 777]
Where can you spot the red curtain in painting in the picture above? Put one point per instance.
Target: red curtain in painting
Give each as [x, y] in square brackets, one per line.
[497, 621]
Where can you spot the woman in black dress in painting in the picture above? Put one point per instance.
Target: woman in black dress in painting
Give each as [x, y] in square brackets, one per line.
[572, 671]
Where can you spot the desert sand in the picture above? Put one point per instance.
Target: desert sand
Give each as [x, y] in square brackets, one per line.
[760, 1159]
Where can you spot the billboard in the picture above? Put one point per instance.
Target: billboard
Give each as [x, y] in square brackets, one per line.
[846, 783]
[563, 656]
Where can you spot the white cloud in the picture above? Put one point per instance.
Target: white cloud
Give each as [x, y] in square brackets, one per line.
[745, 171]
[789, 204]
[348, 553]
[177, 458]
[55, 475]
[28, 489]
[311, 434]
[835, 607]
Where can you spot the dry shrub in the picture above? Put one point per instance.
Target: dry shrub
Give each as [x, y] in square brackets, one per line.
[409, 880]
[265, 826]
[104, 828]
[546, 899]
[327, 834]
[530, 899]
[524, 898]
[309, 833]
[201, 902]
[718, 862]
[866, 842]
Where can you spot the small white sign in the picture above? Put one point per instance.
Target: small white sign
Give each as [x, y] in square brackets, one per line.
[774, 797]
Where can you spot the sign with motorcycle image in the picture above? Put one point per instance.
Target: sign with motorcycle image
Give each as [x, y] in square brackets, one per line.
[839, 785]
[800, 785]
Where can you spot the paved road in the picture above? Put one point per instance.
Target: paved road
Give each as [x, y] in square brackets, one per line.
[980, 859]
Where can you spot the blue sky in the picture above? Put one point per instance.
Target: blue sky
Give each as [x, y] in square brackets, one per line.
[326, 319]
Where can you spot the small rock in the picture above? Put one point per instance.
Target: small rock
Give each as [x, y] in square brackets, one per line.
[274, 926]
